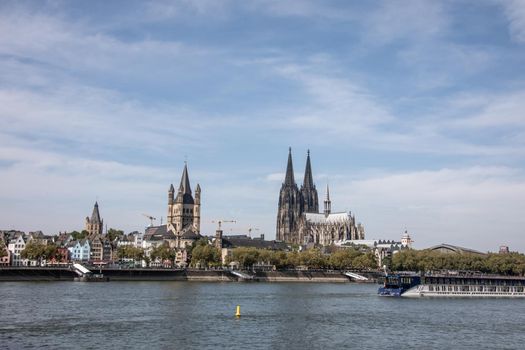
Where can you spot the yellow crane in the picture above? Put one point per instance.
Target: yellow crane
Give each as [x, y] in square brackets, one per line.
[151, 218]
[220, 222]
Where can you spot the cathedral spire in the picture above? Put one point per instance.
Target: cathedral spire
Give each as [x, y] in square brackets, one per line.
[289, 179]
[185, 181]
[308, 178]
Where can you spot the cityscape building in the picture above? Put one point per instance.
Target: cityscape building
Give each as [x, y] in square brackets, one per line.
[298, 217]
[95, 224]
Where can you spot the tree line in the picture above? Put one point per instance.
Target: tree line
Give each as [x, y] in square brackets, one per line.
[426, 260]
[341, 259]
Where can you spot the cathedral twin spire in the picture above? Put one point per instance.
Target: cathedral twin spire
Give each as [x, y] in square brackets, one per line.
[289, 178]
[308, 178]
[293, 202]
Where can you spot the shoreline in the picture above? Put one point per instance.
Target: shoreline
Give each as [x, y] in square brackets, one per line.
[42, 274]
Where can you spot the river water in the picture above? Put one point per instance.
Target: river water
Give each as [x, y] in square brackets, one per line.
[186, 315]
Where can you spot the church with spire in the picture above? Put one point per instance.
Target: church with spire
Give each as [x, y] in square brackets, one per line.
[298, 217]
[184, 209]
[95, 224]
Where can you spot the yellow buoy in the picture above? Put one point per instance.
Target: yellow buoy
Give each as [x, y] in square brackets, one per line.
[238, 312]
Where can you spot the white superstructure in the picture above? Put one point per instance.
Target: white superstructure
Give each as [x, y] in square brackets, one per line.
[469, 286]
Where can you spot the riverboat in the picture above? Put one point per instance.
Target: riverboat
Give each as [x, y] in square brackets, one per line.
[397, 284]
[453, 285]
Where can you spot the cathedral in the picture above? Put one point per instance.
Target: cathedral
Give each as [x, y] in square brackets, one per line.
[298, 217]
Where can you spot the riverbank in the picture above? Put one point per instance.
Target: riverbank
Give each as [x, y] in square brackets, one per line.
[65, 274]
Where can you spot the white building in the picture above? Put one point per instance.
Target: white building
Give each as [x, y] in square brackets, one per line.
[382, 248]
[79, 250]
[15, 246]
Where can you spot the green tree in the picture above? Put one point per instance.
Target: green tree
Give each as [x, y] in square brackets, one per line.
[245, 256]
[79, 235]
[113, 233]
[426, 260]
[366, 261]
[313, 258]
[130, 252]
[38, 251]
[3, 249]
[343, 259]
[163, 252]
[205, 255]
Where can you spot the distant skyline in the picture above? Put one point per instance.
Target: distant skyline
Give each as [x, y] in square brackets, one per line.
[412, 110]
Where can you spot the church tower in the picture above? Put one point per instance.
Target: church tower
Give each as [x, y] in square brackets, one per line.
[327, 202]
[310, 202]
[94, 225]
[197, 210]
[290, 203]
[183, 210]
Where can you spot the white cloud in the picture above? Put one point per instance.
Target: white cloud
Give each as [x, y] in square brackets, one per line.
[477, 206]
[494, 110]
[514, 10]
[405, 20]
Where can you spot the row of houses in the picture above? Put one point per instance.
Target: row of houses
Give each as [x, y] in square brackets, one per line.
[97, 248]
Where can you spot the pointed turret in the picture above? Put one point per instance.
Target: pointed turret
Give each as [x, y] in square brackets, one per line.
[290, 205]
[171, 194]
[289, 178]
[310, 202]
[327, 202]
[184, 192]
[95, 216]
[185, 181]
[308, 178]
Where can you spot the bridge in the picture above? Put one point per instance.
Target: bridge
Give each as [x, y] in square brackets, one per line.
[81, 270]
[241, 275]
[355, 276]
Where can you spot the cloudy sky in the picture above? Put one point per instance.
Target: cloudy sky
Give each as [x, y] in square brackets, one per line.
[413, 112]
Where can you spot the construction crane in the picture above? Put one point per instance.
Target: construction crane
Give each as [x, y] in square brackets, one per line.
[151, 218]
[220, 222]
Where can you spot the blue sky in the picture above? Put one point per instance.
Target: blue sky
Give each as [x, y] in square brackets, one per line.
[412, 110]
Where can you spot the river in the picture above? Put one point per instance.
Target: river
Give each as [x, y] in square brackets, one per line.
[187, 315]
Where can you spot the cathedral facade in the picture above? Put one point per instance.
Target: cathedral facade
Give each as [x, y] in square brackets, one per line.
[299, 220]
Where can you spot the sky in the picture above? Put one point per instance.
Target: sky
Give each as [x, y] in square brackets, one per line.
[413, 112]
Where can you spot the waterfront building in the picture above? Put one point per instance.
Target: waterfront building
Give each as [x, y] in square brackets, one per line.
[452, 249]
[382, 248]
[61, 257]
[15, 246]
[101, 248]
[298, 217]
[95, 224]
[79, 250]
